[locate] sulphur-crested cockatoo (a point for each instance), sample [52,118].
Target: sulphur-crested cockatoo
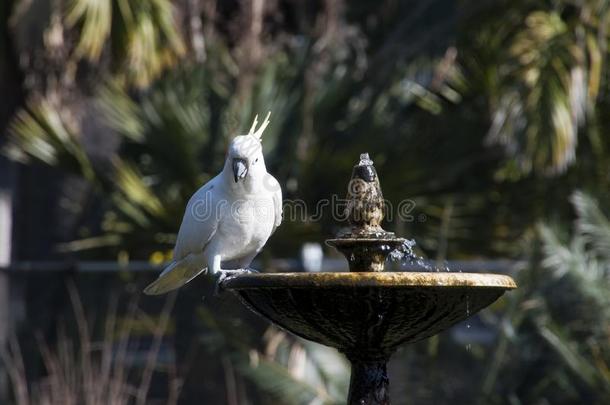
[228,220]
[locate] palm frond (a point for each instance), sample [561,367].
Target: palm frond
[578,265]
[143,35]
[95,19]
[277,380]
[592,224]
[166,130]
[151,38]
[134,195]
[121,112]
[543,100]
[40,133]
[559,257]
[569,352]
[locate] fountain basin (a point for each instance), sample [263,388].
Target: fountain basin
[367,315]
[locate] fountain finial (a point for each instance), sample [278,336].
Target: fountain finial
[365,160]
[365,205]
[364,242]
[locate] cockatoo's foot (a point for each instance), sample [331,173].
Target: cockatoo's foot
[222,275]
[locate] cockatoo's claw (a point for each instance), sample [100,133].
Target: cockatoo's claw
[222,275]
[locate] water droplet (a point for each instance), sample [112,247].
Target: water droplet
[396,255]
[468,346]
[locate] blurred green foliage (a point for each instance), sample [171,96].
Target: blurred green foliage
[488,115]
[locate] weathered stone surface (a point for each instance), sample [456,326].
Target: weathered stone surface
[368,314]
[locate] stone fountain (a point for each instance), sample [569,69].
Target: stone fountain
[367,313]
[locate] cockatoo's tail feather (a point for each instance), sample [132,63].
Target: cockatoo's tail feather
[177,274]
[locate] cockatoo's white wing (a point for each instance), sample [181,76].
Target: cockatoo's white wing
[199,225]
[200,221]
[277,201]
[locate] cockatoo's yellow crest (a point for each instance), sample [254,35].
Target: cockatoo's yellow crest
[258,133]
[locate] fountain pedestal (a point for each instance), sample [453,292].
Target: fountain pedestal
[369,383]
[368,312]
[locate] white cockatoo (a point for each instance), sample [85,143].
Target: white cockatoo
[228,220]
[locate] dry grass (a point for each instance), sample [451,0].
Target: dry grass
[90,372]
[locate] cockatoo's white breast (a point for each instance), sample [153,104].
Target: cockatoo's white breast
[222,221]
[245,226]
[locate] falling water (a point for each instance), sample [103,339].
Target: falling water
[405,251]
[407,257]
[468,346]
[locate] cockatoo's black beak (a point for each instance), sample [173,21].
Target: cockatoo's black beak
[240,169]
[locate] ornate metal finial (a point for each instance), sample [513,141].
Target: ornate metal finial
[365,160]
[364,242]
[365,205]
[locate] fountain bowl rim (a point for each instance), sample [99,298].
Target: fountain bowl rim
[388,279]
